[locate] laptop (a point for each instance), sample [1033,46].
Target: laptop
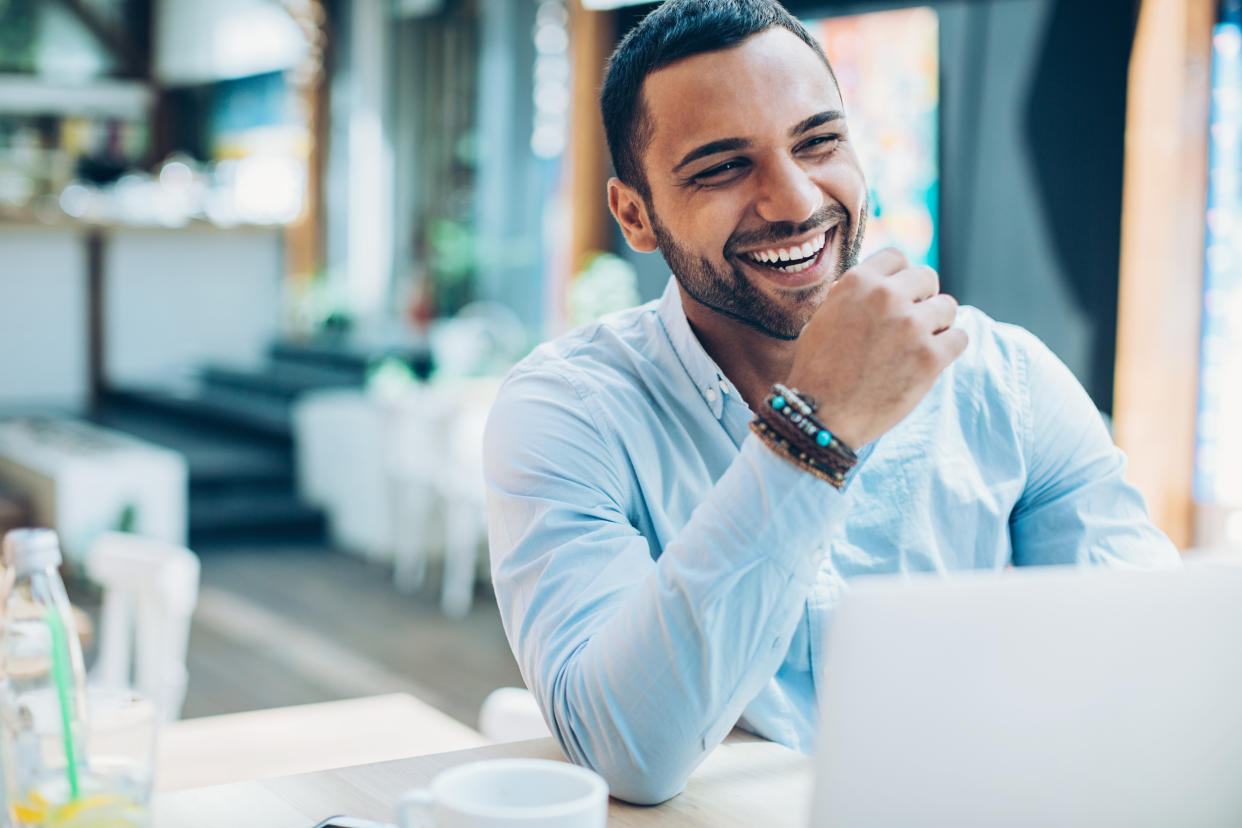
[1042,697]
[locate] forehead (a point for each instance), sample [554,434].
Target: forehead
[765,84]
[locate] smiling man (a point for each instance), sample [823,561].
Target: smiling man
[679,493]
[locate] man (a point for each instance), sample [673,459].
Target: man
[663,573]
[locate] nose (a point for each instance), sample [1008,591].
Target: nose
[787,194]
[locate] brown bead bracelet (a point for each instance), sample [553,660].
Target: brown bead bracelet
[788,425]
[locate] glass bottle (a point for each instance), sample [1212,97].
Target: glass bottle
[43,693]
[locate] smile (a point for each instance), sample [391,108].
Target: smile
[792,259]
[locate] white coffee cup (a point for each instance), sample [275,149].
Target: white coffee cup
[507,793]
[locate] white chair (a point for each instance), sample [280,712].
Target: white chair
[340,461]
[412,427]
[465,508]
[511,714]
[149,591]
[434,436]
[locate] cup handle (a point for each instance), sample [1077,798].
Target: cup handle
[414,809]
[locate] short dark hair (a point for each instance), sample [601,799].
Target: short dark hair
[676,29]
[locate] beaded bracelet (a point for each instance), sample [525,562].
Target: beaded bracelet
[792,430]
[800,459]
[796,437]
[800,409]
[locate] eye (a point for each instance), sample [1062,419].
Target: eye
[721,173]
[821,143]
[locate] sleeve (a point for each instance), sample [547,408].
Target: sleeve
[641,664]
[1076,507]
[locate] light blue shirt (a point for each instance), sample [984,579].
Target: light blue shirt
[662,575]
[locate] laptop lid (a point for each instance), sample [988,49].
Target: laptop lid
[1050,696]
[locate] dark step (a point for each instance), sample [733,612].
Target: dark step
[348,357]
[253,413]
[134,413]
[281,535]
[284,383]
[212,455]
[253,514]
[241,485]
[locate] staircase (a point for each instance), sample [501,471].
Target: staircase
[234,429]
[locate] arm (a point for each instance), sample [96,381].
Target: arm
[642,659]
[641,666]
[1076,507]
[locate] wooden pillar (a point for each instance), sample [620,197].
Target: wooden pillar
[1162,234]
[304,236]
[592,36]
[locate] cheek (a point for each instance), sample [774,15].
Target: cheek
[710,227]
[854,183]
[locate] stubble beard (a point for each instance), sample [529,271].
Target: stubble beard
[729,291]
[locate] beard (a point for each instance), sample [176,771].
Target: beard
[728,290]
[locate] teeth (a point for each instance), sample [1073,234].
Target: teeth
[784,254]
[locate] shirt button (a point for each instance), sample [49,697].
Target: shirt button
[711,395]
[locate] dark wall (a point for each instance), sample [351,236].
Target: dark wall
[1032,137]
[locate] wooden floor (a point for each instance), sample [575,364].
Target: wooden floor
[289,625]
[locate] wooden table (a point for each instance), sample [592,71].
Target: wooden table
[744,782]
[259,744]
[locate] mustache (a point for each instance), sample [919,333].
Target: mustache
[776,233]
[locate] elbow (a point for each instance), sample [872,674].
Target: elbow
[642,787]
[635,775]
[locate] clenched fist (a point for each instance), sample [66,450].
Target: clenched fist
[876,345]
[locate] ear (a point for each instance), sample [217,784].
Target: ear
[629,208]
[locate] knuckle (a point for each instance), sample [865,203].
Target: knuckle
[880,296]
[909,325]
[899,259]
[850,279]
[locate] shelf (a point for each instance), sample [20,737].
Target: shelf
[31,95]
[25,218]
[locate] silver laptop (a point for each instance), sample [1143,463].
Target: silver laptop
[1042,697]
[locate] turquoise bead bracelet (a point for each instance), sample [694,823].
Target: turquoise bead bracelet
[793,430]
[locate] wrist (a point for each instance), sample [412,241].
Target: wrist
[833,414]
[787,423]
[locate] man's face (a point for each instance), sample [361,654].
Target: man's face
[757,201]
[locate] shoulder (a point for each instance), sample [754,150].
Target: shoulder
[570,388]
[999,354]
[996,344]
[989,384]
[606,357]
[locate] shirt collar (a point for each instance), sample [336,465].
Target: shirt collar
[712,384]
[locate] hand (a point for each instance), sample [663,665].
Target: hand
[876,345]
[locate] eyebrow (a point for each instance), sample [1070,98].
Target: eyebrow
[818,119]
[711,148]
[731,144]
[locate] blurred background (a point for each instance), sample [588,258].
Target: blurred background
[264,262]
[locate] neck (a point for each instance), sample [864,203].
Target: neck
[750,359]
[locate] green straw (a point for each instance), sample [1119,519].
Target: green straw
[60,675]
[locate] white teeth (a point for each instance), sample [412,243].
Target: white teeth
[784,254]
